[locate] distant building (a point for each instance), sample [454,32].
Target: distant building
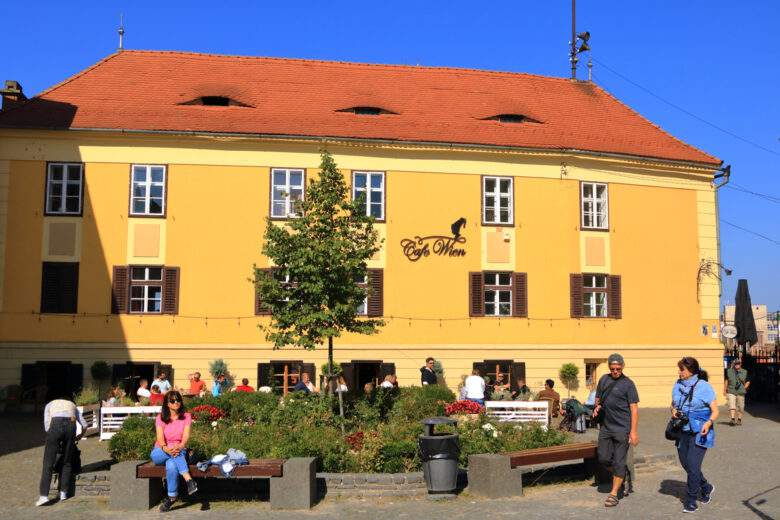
[766,325]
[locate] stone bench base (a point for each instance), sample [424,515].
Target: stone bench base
[492,476]
[295,489]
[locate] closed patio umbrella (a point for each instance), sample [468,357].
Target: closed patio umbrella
[743,317]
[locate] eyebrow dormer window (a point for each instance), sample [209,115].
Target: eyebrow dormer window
[512,119]
[366,111]
[215,101]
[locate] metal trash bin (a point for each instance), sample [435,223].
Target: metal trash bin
[439,453]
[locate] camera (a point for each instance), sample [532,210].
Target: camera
[679,421]
[737,385]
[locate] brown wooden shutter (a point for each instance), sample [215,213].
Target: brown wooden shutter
[520,295]
[476,294]
[260,309]
[59,287]
[349,373]
[170,296]
[119,288]
[614,299]
[575,291]
[376,282]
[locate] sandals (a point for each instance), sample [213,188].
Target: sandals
[611,501]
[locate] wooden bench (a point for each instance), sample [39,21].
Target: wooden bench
[499,475]
[137,485]
[519,411]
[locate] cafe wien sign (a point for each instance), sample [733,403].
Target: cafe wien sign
[437,245]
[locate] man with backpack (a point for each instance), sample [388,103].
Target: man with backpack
[617,411]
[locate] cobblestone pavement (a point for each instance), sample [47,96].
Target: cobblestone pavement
[742,466]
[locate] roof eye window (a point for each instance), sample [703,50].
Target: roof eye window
[366,111]
[512,118]
[215,101]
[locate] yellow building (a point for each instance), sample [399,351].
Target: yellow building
[134,195]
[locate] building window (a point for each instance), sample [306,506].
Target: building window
[594,295]
[368,190]
[497,201]
[59,287]
[498,294]
[146,287]
[591,373]
[147,190]
[595,208]
[286,192]
[281,375]
[64,188]
[362,309]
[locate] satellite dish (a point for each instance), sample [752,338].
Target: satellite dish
[729,331]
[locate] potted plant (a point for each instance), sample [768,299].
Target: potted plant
[568,374]
[88,404]
[101,372]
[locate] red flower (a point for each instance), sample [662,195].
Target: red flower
[462,407]
[207,412]
[355,440]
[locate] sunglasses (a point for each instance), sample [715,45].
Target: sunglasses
[174,400]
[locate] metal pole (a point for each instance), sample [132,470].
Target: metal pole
[573,51]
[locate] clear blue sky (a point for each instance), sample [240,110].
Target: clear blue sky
[716,59]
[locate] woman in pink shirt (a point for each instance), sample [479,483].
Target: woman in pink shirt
[173,432]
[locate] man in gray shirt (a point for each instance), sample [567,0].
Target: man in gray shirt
[617,410]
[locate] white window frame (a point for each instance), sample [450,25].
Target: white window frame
[368,190]
[497,197]
[287,187]
[594,201]
[362,309]
[146,283]
[496,289]
[148,184]
[62,187]
[590,304]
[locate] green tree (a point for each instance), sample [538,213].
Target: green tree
[319,256]
[568,374]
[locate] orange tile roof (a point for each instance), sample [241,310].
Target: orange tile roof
[144,90]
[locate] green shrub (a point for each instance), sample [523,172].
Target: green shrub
[87,395]
[325,443]
[568,375]
[134,441]
[219,367]
[418,402]
[241,406]
[299,410]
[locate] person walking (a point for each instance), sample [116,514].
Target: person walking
[474,386]
[59,421]
[734,389]
[170,449]
[617,409]
[694,401]
[427,375]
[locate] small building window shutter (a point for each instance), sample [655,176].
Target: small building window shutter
[59,287]
[476,294]
[520,295]
[575,282]
[614,299]
[376,283]
[119,289]
[260,308]
[170,303]
[517,374]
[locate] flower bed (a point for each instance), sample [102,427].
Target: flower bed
[380,436]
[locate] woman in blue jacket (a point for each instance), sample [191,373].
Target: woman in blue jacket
[693,397]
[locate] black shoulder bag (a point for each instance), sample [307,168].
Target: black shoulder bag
[602,399]
[674,428]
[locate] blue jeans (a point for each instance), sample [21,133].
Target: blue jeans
[691,456]
[480,402]
[174,466]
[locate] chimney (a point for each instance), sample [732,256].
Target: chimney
[12,95]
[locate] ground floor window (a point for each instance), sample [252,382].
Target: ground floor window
[503,375]
[282,376]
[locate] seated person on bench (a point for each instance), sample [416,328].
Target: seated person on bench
[173,432]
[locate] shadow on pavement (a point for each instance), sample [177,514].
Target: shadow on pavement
[674,488]
[20,431]
[770,411]
[761,501]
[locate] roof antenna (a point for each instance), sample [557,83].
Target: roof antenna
[121,32]
[584,37]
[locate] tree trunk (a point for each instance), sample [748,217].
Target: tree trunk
[330,380]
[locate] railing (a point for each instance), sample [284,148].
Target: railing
[519,411]
[112,417]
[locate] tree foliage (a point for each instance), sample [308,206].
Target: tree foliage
[318,257]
